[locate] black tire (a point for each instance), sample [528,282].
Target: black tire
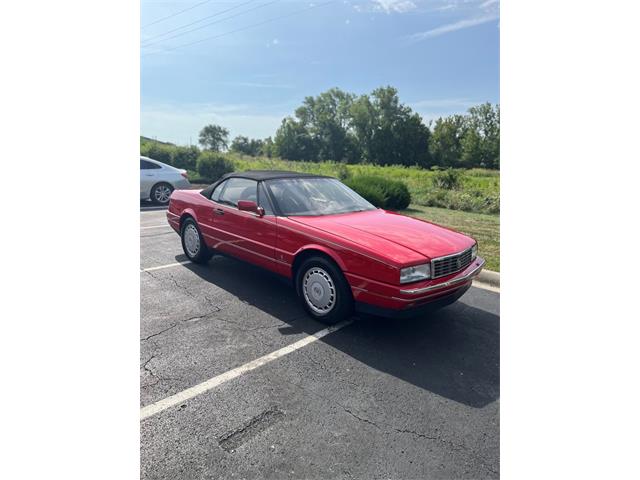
[319,267]
[200,255]
[159,194]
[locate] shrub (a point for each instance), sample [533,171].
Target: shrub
[448,179]
[382,192]
[157,151]
[211,166]
[185,157]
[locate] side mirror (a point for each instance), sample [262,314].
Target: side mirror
[250,206]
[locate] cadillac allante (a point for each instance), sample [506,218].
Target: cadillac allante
[341,253]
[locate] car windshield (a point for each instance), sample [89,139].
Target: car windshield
[316,196]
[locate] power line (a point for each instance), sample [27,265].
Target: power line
[210,23]
[200,20]
[273,19]
[175,14]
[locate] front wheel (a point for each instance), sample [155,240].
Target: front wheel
[323,290]
[160,193]
[193,244]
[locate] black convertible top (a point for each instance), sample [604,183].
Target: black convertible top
[269,174]
[260,175]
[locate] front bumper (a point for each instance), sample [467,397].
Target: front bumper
[415,311]
[402,300]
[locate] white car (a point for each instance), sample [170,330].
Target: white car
[158,180]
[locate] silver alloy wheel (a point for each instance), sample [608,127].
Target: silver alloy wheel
[191,240]
[319,290]
[162,193]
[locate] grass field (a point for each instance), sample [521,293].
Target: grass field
[479,192]
[484,228]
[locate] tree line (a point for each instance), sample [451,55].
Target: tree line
[373,128]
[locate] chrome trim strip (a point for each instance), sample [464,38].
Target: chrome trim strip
[171,213]
[453,281]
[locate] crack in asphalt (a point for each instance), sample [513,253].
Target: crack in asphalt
[159,378]
[150,372]
[358,417]
[214,308]
[159,333]
[391,429]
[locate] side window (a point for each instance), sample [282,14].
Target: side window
[145,165]
[263,200]
[215,195]
[239,189]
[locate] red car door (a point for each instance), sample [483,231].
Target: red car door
[245,235]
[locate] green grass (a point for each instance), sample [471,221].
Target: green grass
[484,228]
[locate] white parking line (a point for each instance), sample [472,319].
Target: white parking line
[151,269]
[155,226]
[203,387]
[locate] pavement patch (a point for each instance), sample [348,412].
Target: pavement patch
[231,440]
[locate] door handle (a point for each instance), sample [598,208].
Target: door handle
[218,211]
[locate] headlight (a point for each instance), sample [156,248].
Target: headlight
[413,274]
[474,251]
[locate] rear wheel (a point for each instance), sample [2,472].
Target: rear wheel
[323,290]
[160,193]
[193,244]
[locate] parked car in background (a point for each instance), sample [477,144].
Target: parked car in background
[340,252]
[158,180]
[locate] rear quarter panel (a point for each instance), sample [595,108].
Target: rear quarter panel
[187,202]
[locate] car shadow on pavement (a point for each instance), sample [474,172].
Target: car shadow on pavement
[454,352]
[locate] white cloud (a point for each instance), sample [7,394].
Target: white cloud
[452,27]
[395,6]
[488,3]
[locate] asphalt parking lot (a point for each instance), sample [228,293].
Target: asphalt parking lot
[374,399]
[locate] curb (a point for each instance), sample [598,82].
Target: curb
[489,277]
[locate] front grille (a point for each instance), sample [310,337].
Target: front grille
[450,264]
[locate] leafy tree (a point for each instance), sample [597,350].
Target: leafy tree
[484,120]
[252,147]
[468,141]
[339,126]
[214,137]
[327,119]
[268,148]
[446,141]
[293,141]
[398,134]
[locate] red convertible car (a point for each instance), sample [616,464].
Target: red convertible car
[340,251]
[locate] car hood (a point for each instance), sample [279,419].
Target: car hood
[427,239]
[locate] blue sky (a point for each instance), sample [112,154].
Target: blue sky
[442,55]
